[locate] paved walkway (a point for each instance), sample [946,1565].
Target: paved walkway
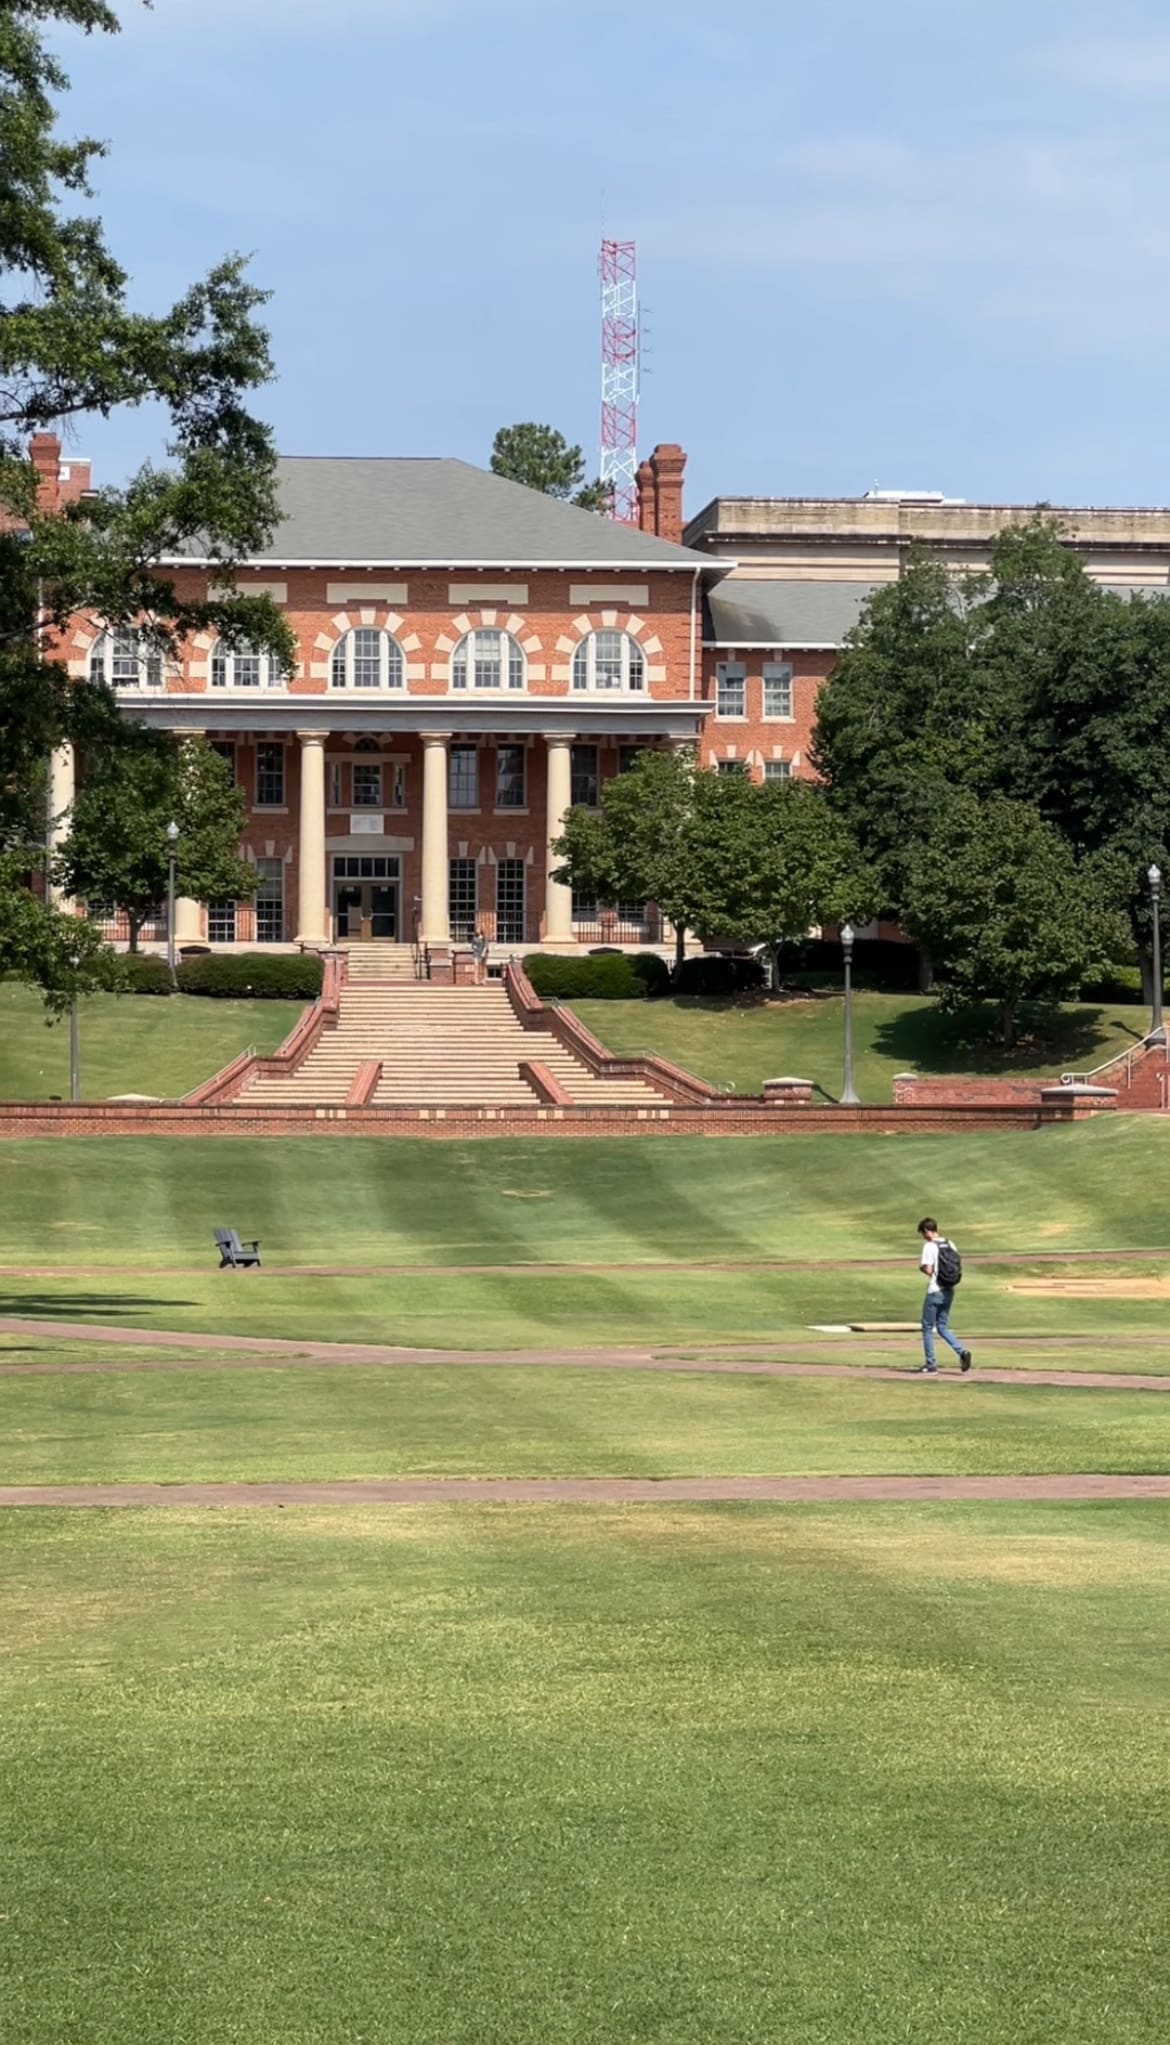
[783,1359]
[593,1491]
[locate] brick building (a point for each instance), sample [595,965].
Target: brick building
[472,659]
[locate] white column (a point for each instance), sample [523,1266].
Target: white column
[558,899]
[312,912]
[188,913]
[436,924]
[62,788]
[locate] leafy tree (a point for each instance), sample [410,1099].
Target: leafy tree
[1005,908]
[637,847]
[117,849]
[770,862]
[71,345]
[542,459]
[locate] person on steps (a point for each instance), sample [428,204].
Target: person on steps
[942,1268]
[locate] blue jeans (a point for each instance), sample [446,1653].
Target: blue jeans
[936,1308]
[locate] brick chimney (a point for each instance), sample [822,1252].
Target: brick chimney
[45,454]
[660,492]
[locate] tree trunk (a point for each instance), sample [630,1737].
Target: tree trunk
[680,946]
[775,956]
[1007,1023]
[925,973]
[134,925]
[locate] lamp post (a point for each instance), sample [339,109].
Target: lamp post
[1154,876]
[849,1097]
[172,841]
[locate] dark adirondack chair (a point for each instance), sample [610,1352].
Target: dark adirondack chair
[233,1254]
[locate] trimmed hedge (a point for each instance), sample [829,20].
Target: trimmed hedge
[1116,983]
[256,976]
[653,972]
[608,977]
[718,974]
[143,973]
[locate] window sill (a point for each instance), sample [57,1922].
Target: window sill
[456,809]
[271,809]
[778,717]
[508,811]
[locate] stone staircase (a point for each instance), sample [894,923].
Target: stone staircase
[380,961]
[442,1046]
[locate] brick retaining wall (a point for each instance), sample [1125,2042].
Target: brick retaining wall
[736,1118]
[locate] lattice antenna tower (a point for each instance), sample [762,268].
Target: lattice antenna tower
[620,377]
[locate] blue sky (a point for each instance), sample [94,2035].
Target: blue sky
[910,243]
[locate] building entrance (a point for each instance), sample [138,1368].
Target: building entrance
[365,895]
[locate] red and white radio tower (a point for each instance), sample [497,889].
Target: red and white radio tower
[620,377]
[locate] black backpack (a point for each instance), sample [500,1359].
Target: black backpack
[949,1270]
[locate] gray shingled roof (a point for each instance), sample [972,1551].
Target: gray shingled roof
[744,612]
[396,512]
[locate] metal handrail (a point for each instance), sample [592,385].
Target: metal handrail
[1125,1058]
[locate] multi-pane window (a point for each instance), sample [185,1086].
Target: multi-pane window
[778,691]
[125,660]
[487,660]
[463,777]
[609,660]
[221,923]
[509,777]
[226,748]
[367,784]
[730,691]
[244,668]
[461,902]
[777,770]
[584,907]
[627,756]
[583,777]
[269,901]
[510,901]
[396,789]
[367,659]
[739,767]
[269,775]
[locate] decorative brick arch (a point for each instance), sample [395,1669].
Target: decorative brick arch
[610,621]
[84,637]
[489,619]
[381,619]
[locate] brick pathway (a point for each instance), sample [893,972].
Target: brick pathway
[594,1491]
[783,1359]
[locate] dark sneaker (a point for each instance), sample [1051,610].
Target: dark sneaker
[927,1370]
[965,1359]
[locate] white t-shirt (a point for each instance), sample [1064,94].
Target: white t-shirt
[928,1262]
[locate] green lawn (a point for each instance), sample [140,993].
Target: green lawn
[645,1215]
[130,1043]
[739,1046]
[493,1776]
[247,1424]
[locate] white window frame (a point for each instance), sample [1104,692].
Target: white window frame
[462,808]
[513,808]
[344,657]
[274,871]
[277,745]
[630,662]
[126,647]
[373,767]
[777,770]
[778,673]
[731,671]
[741,768]
[586,746]
[226,659]
[512,665]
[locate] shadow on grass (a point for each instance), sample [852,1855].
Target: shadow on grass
[1050,1040]
[68,1306]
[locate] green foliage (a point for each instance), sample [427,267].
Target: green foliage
[117,850]
[71,346]
[144,973]
[1005,909]
[542,459]
[607,976]
[652,971]
[718,974]
[262,976]
[59,954]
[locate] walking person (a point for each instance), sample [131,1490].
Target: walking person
[942,1267]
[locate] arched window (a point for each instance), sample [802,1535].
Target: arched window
[609,660]
[124,660]
[487,660]
[367,659]
[243,668]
